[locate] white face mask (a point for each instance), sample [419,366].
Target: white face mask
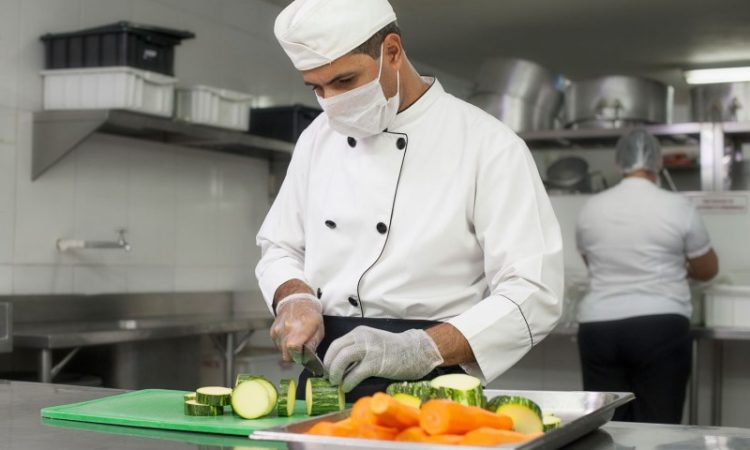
[364,111]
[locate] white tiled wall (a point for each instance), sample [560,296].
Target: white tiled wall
[191,215]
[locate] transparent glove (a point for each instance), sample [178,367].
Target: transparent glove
[299,322]
[368,352]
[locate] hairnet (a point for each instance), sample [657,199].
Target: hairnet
[638,150]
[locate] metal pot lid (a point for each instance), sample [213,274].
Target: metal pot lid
[567,172]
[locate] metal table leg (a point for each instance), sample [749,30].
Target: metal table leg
[694,384]
[45,365]
[229,360]
[718,372]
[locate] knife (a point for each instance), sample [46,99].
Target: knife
[310,360]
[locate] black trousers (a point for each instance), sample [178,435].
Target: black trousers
[335,327]
[649,356]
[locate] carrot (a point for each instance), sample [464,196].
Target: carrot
[342,428]
[369,431]
[444,439]
[361,413]
[446,417]
[392,413]
[412,434]
[493,436]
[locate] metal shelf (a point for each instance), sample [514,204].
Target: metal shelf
[678,133]
[57,133]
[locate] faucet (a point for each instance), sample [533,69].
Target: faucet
[75,244]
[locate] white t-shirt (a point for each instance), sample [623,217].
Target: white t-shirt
[636,237]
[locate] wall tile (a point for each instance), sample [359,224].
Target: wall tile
[152,204]
[96,13]
[236,279]
[154,13]
[45,208]
[150,279]
[9,55]
[48,279]
[6,280]
[196,279]
[91,280]
[101,193]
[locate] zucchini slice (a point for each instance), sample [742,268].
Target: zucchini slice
[252,399]
[213,395]
[551,422]
[243,377]
[421,389]
[287,396]
[193,408]
[460,388]
[526,415]
[189,396]
[408,400]
[322,398]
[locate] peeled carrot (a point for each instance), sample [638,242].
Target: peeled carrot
[392,413]
[444,439]
[493,436]
[412,434]
[446,417]
[369,431]
[361,413]
[343,428]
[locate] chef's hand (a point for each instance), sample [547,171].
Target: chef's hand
[299,322]
[368,352]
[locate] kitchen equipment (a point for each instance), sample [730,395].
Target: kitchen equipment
[522,94]
[727,306]
[212,106]
[109,88]
[282,122]
[723,102]
[118,44]
[570,174]
[617,101]
[163,409]
[310,360]
[581,413]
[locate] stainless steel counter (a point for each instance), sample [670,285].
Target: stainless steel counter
[21,428]
[75,334]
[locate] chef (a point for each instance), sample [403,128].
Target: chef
[641,244]
[412,235]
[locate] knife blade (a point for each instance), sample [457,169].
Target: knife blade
[310,360]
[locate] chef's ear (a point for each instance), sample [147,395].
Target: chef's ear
[393,51]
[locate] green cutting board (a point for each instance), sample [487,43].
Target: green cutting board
[163,409]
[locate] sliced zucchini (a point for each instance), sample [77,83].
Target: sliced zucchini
[460,388]
[189,396]
[322,398]
[408,400]
[213,395]
[421,389]
[241,378]
[551,422]
[193,408]
[287,396]
[526,415]
[252,399]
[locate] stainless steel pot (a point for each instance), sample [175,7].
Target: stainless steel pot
[569,174]
[522,94]
[725,102]
[617,101]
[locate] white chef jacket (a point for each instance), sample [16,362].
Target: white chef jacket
[635,238]
[441,217]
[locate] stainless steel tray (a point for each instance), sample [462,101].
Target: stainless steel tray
[581,413]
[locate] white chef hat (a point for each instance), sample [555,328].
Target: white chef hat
[316,32]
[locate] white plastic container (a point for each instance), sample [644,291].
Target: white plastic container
[109,88]
[213,106]
[728,306]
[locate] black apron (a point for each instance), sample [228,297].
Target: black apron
[335,327]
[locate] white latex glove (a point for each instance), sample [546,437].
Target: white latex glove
[368,352]
[299,322]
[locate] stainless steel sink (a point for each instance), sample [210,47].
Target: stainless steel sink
[6,327]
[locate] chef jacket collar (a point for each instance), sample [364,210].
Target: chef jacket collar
[417,109]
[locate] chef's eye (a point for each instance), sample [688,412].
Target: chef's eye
[345,81]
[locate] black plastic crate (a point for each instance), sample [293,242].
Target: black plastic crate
[119,44]
[282,122]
